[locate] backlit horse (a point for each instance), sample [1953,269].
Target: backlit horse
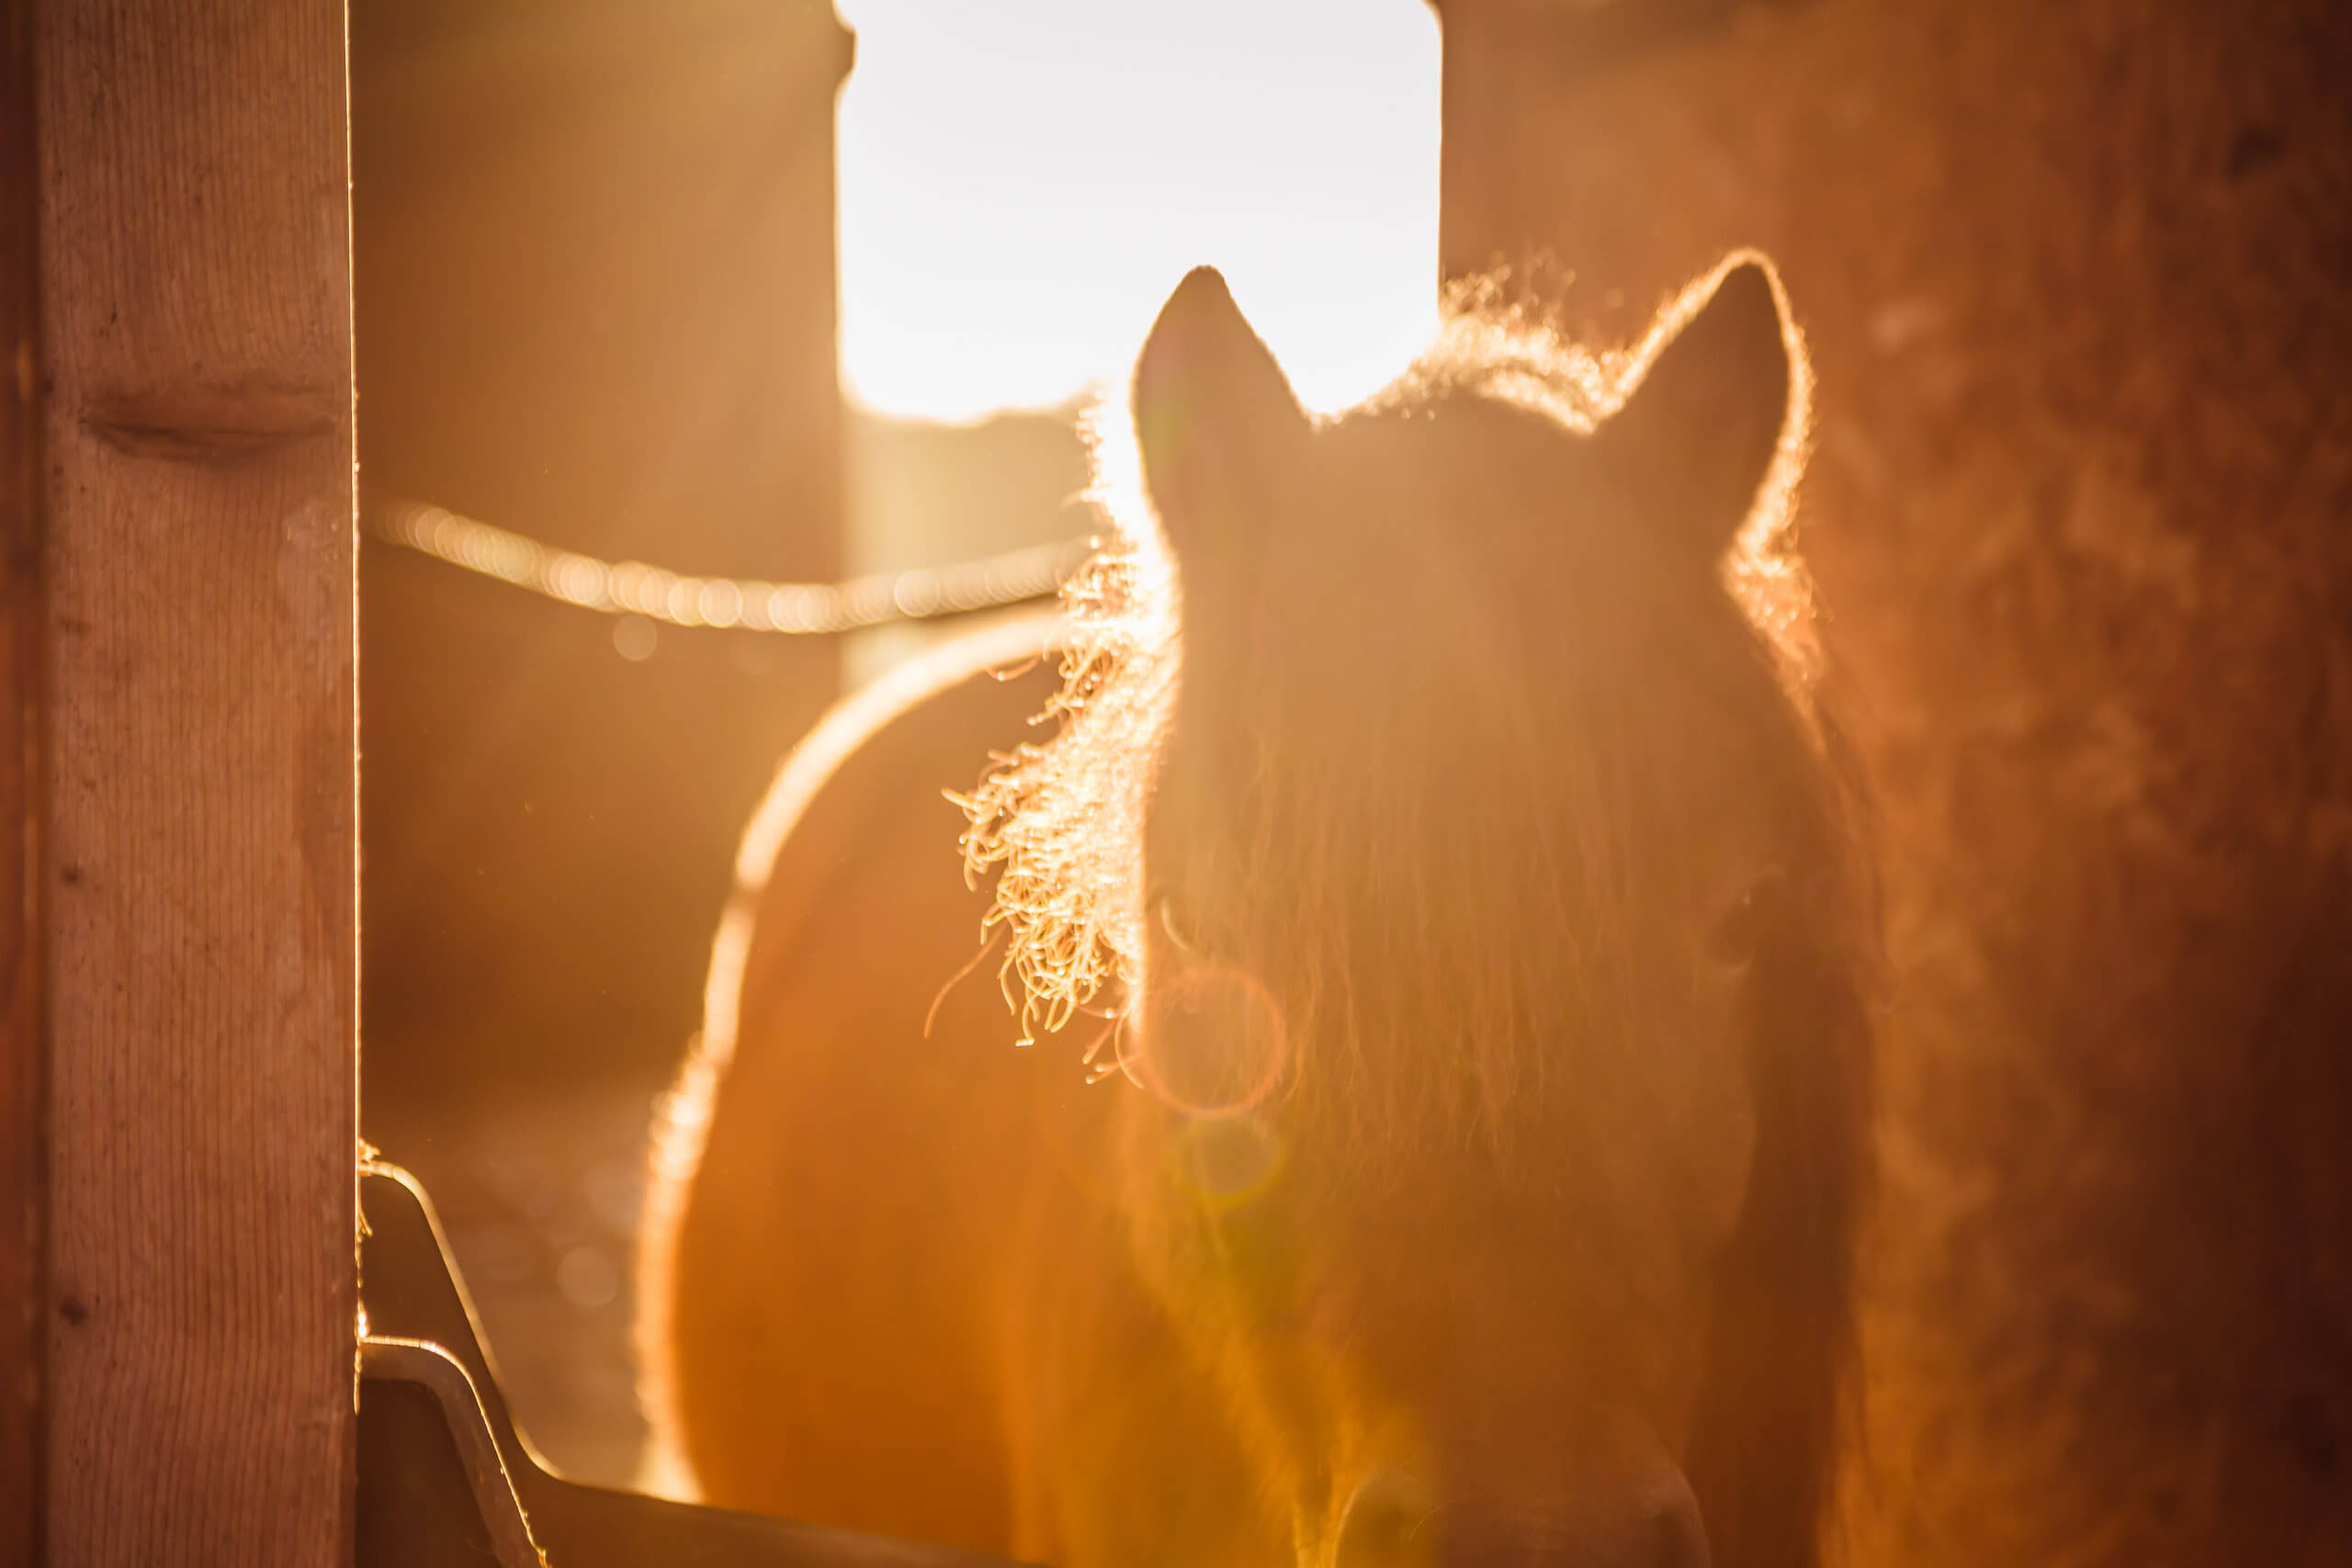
[1431,915]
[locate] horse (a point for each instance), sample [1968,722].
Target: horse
[1432,1124]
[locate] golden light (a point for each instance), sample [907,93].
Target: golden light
[1023,180]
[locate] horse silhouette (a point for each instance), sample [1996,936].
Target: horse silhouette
[1433,916]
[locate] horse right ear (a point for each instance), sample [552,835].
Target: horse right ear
[1215,420]
[1699,436]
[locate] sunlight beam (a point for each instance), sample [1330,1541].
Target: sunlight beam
[1023,180]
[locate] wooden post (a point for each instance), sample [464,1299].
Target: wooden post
[194,255]
[24,1214]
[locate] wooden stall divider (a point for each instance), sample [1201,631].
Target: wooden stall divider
[23,1213]
[196,804]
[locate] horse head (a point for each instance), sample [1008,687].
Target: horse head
[1491,939]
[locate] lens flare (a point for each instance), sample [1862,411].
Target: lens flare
[1212,1042]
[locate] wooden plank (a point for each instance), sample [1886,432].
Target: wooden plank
[23,1209]
[196,312]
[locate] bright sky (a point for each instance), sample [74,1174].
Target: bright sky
[1023,182]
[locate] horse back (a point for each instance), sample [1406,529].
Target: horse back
[851,1216]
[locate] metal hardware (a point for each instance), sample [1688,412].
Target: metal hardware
[432,1487]
[446,1478]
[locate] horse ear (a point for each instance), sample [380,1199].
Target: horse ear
[1698,436]
[1215,418]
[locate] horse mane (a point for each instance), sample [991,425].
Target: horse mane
[1062,821]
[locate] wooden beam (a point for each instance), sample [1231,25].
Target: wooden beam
[23,1210]
[199,863]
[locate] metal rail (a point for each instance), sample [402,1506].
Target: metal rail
[737,603]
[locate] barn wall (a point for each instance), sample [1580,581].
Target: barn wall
[595,268]
[2078,284]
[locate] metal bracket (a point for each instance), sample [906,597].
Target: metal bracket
[432,1487]
[447,1481]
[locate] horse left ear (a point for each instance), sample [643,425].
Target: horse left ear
[1698,436]
[1215,419]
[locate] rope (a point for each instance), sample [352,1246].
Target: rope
[801,609]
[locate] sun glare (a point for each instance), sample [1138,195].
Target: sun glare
[1023,180]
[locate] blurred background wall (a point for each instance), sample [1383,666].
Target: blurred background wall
[596,306]
[2075,280]
[2078,284]
[595,280]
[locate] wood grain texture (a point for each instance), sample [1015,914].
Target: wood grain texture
[195,258]
[23,1210]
